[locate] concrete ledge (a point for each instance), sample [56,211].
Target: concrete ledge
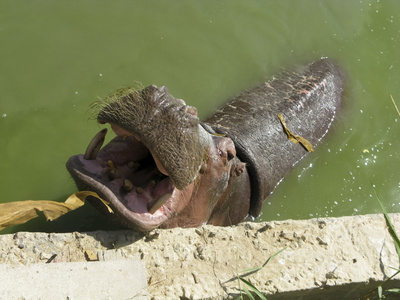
[327,258]
[74,280]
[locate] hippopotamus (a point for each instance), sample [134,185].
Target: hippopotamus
[165,168]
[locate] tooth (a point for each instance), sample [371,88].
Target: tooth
[95,144]
[112,170]
[114,174]
[133,165]
[152,184]
[110,165]
[158,203]
[139,190]
[128,186]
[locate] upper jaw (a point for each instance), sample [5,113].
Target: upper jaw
[166,125]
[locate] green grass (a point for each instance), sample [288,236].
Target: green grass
[249,289]
[396,240]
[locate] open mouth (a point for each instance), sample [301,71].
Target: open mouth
[125,173]
[148,171]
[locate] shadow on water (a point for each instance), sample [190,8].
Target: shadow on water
[83,219]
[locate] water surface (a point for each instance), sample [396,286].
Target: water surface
[58,58]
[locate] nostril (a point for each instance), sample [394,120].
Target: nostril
[191,110]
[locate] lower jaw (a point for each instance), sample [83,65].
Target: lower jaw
[121,214]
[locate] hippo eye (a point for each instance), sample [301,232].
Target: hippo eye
[230,155]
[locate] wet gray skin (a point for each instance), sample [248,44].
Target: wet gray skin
[166,169]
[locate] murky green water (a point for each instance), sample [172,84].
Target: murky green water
[58,58]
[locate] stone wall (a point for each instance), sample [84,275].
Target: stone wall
[326,258]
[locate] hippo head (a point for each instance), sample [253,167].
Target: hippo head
[163,169]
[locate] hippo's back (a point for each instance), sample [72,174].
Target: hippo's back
[307,99]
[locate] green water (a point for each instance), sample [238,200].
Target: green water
[58,58]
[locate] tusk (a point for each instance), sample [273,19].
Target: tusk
[95,145]
[158,203]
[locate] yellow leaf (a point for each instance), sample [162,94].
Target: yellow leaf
[78,197]
[295,138]
[19,212]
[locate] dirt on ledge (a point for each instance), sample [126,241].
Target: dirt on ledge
[326,258]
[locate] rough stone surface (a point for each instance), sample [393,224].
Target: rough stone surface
[59,281]
[327,258]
